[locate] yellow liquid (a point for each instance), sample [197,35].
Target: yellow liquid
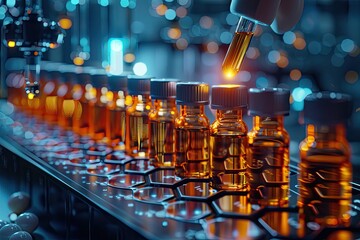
[97,122]
[81,117]
[66,112]
[137,144]
[236,53]
[228,162]
[325,189]
[268,171]
[162,143]
[192,152]
[51,109]
[115,129]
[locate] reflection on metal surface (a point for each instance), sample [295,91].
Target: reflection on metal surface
[153,194]
[187,210]
[227,228]
[125,180]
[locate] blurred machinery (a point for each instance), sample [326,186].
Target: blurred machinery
[33,35]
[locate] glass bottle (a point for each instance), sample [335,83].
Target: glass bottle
[192,129]
[162,122]
[97,105]
[82,93]
[66,104]
[137,117]
[325,167]
[228,138]
[50,96]
[116,111]
[268,151]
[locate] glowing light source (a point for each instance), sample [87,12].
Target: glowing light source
[206,22]
[10,3]
[299,43]
[295,74]
[170,14]
[11,44]
[129,57]
[212,47]
[103,3]
[262,82]
[140,68]
[298,95]
[283,61]
[347,45]
[274,56]
[174,33]
[181,12]
[161,9]
[65,23]
[31,96]
[78,61]
[253,53]
[229,74]
[289,37]
[116,56]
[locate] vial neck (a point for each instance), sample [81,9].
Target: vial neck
[323,132]
[234,115]
[192,110]
[276,122]
[164,103]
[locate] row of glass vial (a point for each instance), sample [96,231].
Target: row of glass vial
[225,151]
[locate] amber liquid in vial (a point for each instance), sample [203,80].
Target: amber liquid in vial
[192,152]
[326,189]
[138,142]
[268,172]
[116,130]
[98,122]
[162,143]
[66,112]
[236,53]
[81,117]
[51,109]
[228,169]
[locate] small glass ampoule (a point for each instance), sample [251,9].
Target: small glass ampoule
[116,111]
[238,47]
[192,131]
[325,167]
[228,138]
[137,117]
[162,122]
[97,106]
[268,151]
[82,93]
[66,103]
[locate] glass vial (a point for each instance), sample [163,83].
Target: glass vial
[50,97]
[325,167]
[116,111]
[82,93]
[97,105]
[162,122]
[228,138]
[137,117]
[192,129]
[268,151]
[66,104]
[238,47]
